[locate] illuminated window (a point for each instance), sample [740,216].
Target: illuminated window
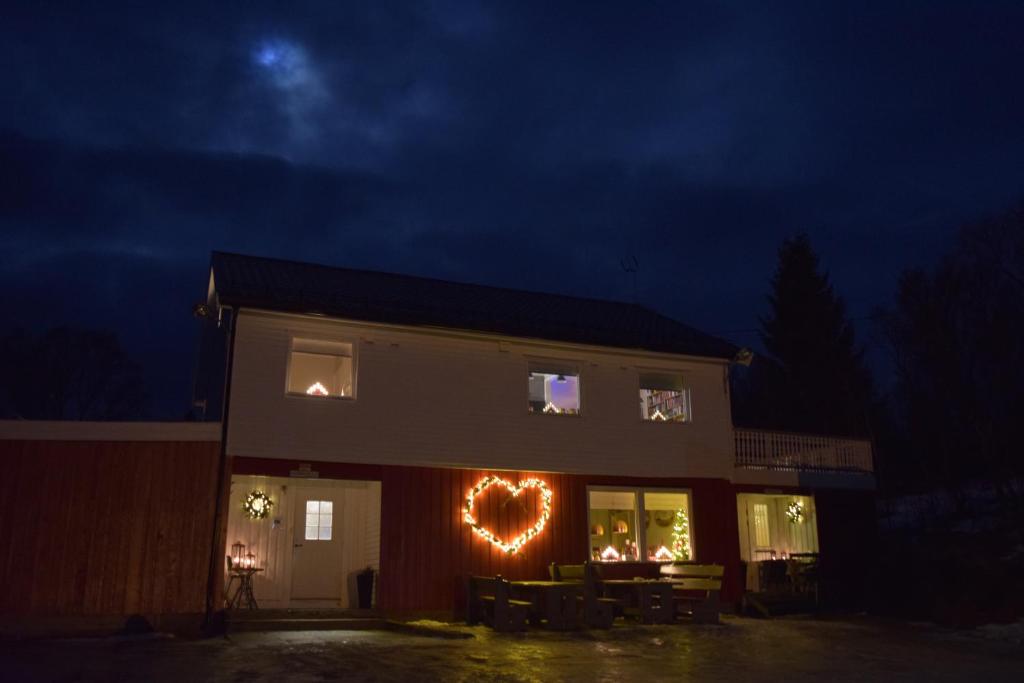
[320,368]
[319,520]
[633,525]
[613,526]
[554,390]
[768,531]
[663,397]
[667,526]
[762,537]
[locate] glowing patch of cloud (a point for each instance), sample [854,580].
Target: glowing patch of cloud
[288,68]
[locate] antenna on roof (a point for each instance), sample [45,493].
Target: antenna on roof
[630,265]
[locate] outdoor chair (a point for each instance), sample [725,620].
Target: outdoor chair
[696,590]
[488,601]
[598,612]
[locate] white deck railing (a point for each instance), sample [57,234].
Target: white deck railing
[758,449]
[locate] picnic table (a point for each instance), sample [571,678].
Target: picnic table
[652,597]
[556,602]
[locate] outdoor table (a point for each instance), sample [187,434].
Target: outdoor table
[554,601]
[243,594]
[652,596]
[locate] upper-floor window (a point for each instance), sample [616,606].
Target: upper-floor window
[554,390]
[321,368]
[663,398]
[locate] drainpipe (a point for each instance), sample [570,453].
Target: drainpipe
[215,572]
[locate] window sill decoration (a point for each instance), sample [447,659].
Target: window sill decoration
[317,389]
[513,546]
[257,505]
[795,512]
[663,554]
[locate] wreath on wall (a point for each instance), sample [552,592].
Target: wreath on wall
[257,505]
[795,512]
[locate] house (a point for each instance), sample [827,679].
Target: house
[433,430]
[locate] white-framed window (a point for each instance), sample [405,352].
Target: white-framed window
[319,520]
[321,369]
[639,524]
[762,532]
[553,389]
[663,398]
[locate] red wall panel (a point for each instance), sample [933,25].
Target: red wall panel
[105,528]
[427,550]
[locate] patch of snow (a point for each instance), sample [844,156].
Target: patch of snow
[1010,633]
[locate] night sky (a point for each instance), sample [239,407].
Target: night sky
[530,145]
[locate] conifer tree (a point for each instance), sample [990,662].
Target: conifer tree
[816,381]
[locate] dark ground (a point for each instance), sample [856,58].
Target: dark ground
[790,650]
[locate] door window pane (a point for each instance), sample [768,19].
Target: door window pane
[319,520]
[762,537]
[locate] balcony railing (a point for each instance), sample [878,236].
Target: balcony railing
[758,449]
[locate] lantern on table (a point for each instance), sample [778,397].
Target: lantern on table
[237,555]
[250,560]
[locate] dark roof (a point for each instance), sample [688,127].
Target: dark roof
[274,284]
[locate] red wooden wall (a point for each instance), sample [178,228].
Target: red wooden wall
[105,528]
[427,550]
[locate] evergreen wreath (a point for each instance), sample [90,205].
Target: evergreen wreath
[795,512]
[257,505]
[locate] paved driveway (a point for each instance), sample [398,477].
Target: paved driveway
[790,650]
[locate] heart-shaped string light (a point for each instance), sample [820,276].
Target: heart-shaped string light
[522,539]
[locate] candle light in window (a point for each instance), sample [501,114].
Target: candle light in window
[551,408]
[317,389]
[663,553]
[610,553]
[658,415]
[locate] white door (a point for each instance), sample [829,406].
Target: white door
[317,569]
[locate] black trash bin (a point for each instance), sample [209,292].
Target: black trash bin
[364,587]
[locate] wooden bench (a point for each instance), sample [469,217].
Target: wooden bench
[488,600]
[696,590]
[598,612]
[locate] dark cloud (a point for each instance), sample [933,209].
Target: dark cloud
[517,144]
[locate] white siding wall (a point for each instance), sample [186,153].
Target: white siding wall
[433,399]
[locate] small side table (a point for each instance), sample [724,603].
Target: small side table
[243,597]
